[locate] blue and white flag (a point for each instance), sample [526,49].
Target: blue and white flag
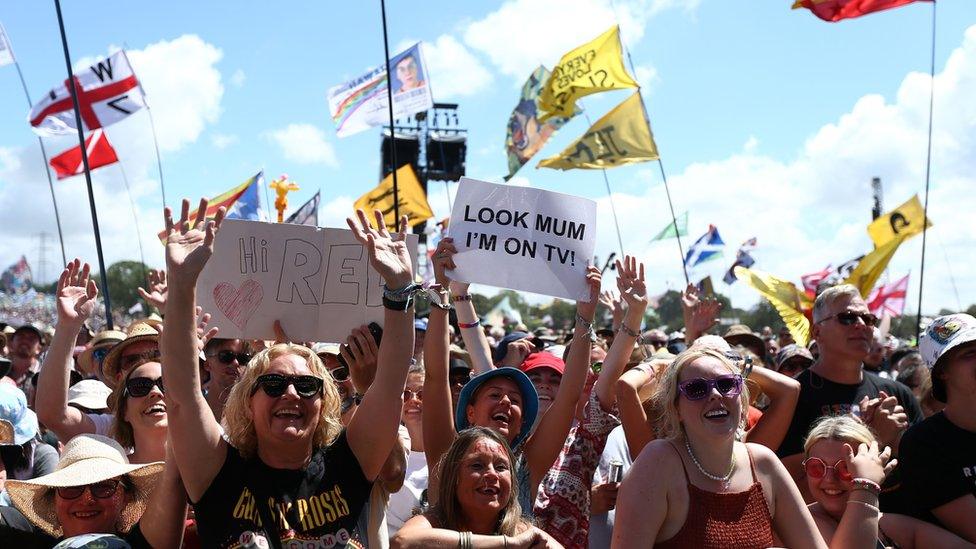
[308,214]
[248,204]
[706,248]
[742,259]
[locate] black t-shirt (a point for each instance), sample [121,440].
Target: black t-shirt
[315,507]
[937,460]
[821,397]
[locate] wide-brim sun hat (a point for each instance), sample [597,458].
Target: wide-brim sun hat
[137,332]
[740,334]
[13,408]
[530,400]
[87,459]
[102,340]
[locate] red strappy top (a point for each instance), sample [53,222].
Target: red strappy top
[715,520]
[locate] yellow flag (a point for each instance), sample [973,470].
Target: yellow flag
[788,300]
[593,67]
[869,269]
[413,201]
[622,136]
[905,220]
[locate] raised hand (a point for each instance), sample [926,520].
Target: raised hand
[387,253]
[443,260]
[699,314]
[587,309]
[156,295]
[630,282]
[76,293]
[869,463]
[189,245]
[361,355]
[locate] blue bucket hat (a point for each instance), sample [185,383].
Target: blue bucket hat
[530,400]
[499,352]
[13,408]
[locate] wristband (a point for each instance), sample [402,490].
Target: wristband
[868,505]
[623,328]
[586,323]
[462,297]
[866,485]
[474,324]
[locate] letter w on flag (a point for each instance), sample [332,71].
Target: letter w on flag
[107,92]
[100,153]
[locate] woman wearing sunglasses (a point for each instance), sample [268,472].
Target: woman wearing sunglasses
[140,412]
[698,486]
[832,485]
[288,472]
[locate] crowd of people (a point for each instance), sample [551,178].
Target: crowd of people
[441,432]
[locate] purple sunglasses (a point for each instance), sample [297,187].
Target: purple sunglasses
[699,388]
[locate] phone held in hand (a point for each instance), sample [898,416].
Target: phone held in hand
[375,330]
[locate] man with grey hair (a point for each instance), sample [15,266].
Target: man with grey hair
[838,384]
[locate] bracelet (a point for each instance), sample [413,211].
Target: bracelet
[464,540]
[505,539]
[866,485]
[399,299]
[868,505]
[474,324]
[632,333]
[586,323]
[439,298]
[462,297]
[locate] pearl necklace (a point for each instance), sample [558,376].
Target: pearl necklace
[724,479]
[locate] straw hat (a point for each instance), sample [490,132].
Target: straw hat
[6,433]
[137,332]
[87,459]
[89,393]
[103,339]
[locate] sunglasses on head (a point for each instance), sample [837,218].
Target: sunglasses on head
[817,468]
[227,356]
[699,388]
[275,385]
[141,386]
[849,318]
[100,490]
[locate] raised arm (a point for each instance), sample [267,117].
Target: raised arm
[472,333]
[630,283]
[194,432]
[543,447]
[372,431]
[783,393]
[438,417]
[162,522]
[637,428]
[699,314]
[76,301]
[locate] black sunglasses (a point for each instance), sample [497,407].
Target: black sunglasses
[848,318]
[141,386]
[100,490]
[275,385]
[227,356]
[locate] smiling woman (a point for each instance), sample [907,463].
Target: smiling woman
[140,421]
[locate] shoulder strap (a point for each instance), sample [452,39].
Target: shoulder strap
[675,448]
[261,502]
[752,464]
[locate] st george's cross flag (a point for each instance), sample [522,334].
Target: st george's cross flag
[708,246]
[108,91]
[100,153]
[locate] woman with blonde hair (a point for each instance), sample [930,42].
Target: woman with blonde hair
[288,473]
[831,484]
[477,504]
[699,486]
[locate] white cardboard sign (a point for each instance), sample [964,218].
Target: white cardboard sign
[316,281]
[523,238]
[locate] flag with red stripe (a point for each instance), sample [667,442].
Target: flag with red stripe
[836,10]
[100,153]
[889,298]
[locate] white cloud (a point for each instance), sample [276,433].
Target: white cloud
[454,71]
[223,140]
[646,76]
[305,144]
[238,78]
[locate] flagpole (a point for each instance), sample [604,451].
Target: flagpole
[928,169]
[84,159]
[152,126]
[47,169]
[389,104]
[135,217]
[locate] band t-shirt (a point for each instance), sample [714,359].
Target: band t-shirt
[937,460]
[314,507]
[821,397]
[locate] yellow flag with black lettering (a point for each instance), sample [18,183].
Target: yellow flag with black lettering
[413,200]
[871,266]
[788,300]
[593,67]
[905,220]
[622,136]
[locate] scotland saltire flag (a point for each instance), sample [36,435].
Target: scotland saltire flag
[742,259]
[248,204]
[706,248]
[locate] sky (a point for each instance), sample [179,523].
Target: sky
[770,122]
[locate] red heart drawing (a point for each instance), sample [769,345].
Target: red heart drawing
[238,304]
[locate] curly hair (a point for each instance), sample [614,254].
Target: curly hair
[237,421]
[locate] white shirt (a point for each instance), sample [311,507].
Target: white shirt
[403,503]
[601,525]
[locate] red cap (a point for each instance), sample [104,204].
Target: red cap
[543,359]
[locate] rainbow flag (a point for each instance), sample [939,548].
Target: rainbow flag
[241,202]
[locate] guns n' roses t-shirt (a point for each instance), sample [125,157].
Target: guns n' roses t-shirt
[313,507]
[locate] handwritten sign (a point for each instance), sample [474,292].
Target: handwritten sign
[317,281]
[522,238]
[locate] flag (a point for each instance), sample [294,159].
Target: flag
[593,67]
[107,92]
[526,135]
[869,269]
[241,202]
[622,136]
[17,278]
[705,286]
[673,230]
[889,298]
[6,51]
[788,300]
[413,200]
[742,259]
[811,281]
[308,214]
[709,246]
[905,220]
[100,153]
[835,10]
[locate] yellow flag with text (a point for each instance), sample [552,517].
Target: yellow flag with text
[905,220]
[593,67]
[788,300]
[622,136]
[413,200]
[871,266]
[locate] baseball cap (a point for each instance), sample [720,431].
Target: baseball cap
[543,360]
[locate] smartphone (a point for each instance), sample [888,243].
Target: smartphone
[375,330]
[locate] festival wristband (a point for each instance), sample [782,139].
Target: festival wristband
[461,297]
[866,485]
[632,333]
[469,324]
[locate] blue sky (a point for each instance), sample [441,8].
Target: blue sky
[770,122]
